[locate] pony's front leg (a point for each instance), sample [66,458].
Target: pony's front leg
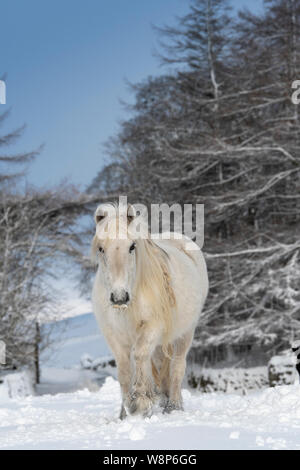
[123,366]
[121,354]
[141,397]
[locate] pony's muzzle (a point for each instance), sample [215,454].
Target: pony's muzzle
[119,300]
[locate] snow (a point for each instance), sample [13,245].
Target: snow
[69,302]
[268,419]
[60,380]
[296,345]
[72,412]
[72,338]
[282,370]
[283,361]
[16,384]
[228,380]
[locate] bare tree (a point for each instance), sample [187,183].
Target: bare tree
[39,231]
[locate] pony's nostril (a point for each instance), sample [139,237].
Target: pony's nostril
[119,300]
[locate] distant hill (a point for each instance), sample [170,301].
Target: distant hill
[72,338]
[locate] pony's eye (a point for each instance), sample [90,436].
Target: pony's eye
[101,249]
[132,248]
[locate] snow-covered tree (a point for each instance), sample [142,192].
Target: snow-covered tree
[220,128]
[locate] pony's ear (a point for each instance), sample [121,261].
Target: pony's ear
[131,213]
[100,214]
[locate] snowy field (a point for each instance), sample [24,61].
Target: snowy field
[72,338]
[86,417]
[88,420]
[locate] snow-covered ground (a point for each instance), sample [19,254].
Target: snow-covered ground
[72,338]
[86,417]
[269,419]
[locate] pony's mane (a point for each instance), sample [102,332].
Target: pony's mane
[153,281]
[152,263]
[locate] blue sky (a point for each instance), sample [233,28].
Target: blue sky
[66,63]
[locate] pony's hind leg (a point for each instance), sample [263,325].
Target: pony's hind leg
[162,365]
[177,370]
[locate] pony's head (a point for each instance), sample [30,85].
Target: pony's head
[114,249]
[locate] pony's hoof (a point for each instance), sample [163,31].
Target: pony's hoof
[140,405]
[123,413]
[172,406]
[163,400]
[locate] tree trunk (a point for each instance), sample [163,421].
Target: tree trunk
[37,353]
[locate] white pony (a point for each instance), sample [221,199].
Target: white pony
[147,297]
